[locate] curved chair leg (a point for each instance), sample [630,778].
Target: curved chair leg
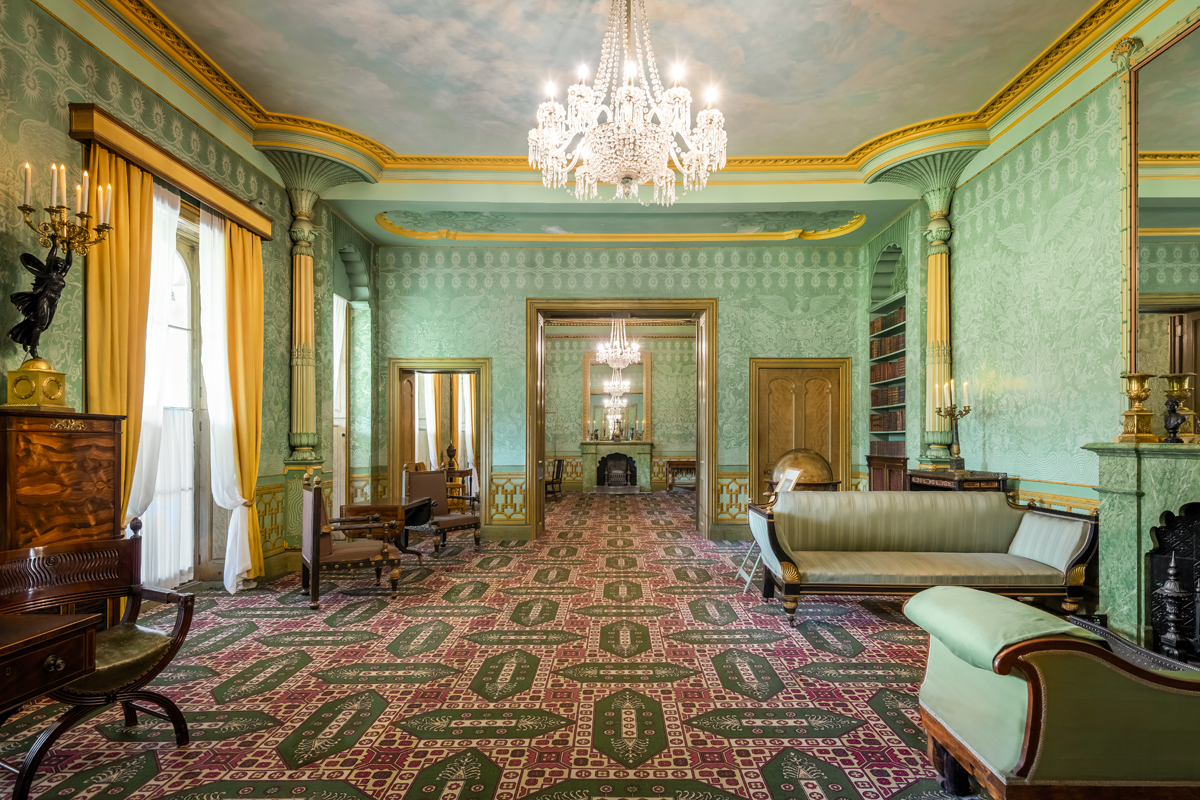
[169,708]
[33,759]
[131,719]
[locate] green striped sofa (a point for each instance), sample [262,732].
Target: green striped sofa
[903,542]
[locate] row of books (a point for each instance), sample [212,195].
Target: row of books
[888,344]
[895,448]
[888,421]
[887,320]
[887,370]
[887,396]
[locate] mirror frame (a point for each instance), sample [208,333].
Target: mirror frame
[589,359]
[1139,56]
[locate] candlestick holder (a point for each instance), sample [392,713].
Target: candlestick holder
[954,415]
[1136,421]
[70,236]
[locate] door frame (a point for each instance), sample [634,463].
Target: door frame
[703,310]
[483,459]
[842,365]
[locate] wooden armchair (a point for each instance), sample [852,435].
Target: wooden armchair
[554,482]
[320,551]
[432,484]
[128,656]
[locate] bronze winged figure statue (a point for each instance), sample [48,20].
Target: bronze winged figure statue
[39,304]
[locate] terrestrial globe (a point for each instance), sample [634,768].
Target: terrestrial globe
[816,475]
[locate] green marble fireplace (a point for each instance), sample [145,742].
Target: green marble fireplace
[594,451]
[1138,482]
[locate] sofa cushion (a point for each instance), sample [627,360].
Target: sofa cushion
[917,569]
[915,522]
[1052,540]
[976,625]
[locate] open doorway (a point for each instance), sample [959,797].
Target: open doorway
[548,428]
[439,417]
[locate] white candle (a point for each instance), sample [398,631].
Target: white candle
[86,204]
[53,185]
[78,199]
[28,184]
[62,183]
[108,205]
[945,395]
[99,205]
[966,401]
[952,392]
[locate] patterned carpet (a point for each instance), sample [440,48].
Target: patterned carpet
[616,657]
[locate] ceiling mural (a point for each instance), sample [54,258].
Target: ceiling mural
[464,77]
[1168,103]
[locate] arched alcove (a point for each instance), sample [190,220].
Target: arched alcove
[356,272]
[889,274]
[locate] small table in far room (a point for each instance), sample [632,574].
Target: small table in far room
[40,653]
[388,511]
[955,480]
[676,468]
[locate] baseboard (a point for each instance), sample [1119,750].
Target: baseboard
[730,533]
[508,532]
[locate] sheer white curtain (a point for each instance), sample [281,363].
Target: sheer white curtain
[158,544]
[340,369]
[214,363]
[466,427]
[168,550]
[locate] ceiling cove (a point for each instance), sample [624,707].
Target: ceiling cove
[878,61]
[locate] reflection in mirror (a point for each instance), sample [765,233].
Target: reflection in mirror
[1168,143]
[634,418]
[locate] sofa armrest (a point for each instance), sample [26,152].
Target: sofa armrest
[976,626]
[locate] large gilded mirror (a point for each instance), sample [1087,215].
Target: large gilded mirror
[630,422]
[1165,134]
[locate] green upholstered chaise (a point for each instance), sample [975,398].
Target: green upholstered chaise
[903,542]
[1032,706]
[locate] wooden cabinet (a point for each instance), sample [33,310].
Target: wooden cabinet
[41,652]
[61,478]
[956,480]
[886,473]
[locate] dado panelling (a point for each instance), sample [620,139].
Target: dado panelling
[44,67]
[470,302]
[1036,267]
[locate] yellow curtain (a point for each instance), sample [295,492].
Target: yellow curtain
[117,302]
[244,299]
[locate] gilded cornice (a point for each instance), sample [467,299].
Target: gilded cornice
[176,45]
[619,238]
[1168,158]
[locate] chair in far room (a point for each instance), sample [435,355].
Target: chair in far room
[127,656]
[554,483]
[432,484]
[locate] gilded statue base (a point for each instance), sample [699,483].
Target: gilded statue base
[35,386]
[1137,426]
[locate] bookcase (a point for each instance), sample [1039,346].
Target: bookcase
[886,460]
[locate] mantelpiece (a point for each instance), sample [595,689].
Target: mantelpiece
[1138,482]
[594,451]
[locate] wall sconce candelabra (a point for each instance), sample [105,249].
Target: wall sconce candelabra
[951,411]
[36,385]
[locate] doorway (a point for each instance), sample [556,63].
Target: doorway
[798,402]
[702,312]
[434,403]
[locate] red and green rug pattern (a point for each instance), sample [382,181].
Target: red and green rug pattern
[616,657]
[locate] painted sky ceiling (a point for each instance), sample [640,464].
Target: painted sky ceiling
[1169,99]
[463,77]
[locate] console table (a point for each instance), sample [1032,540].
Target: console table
[954,480]
[682,467]
[40,653]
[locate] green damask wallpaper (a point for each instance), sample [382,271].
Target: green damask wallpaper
[360,387]
[672,399]
[44,67]
[470,302]
[1036,270]
[1167,267]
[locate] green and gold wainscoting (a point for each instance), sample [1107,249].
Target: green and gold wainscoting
[732,506]
[508,516]
[858,478]
[1078,498]
[360,487]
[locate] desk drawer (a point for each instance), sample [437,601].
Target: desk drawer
[47,666]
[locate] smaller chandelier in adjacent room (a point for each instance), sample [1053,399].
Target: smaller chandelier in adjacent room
[615,403]
[618,352]
[616,386]
[638,134]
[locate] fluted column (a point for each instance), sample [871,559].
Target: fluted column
[303,436]
[934,176]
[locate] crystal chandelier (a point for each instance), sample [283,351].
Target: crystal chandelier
[634,137]
[618,352]
[616,403]
[615,387]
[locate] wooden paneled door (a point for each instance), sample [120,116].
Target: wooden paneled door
[798,402]
[406,423]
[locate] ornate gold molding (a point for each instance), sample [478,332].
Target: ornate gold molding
[617,238]
[162,33]
[1166,232]
[1168,158]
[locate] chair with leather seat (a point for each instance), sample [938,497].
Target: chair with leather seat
[432,484]
[128,656]
[319,550]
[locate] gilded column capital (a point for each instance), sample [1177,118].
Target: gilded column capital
[1122,53]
